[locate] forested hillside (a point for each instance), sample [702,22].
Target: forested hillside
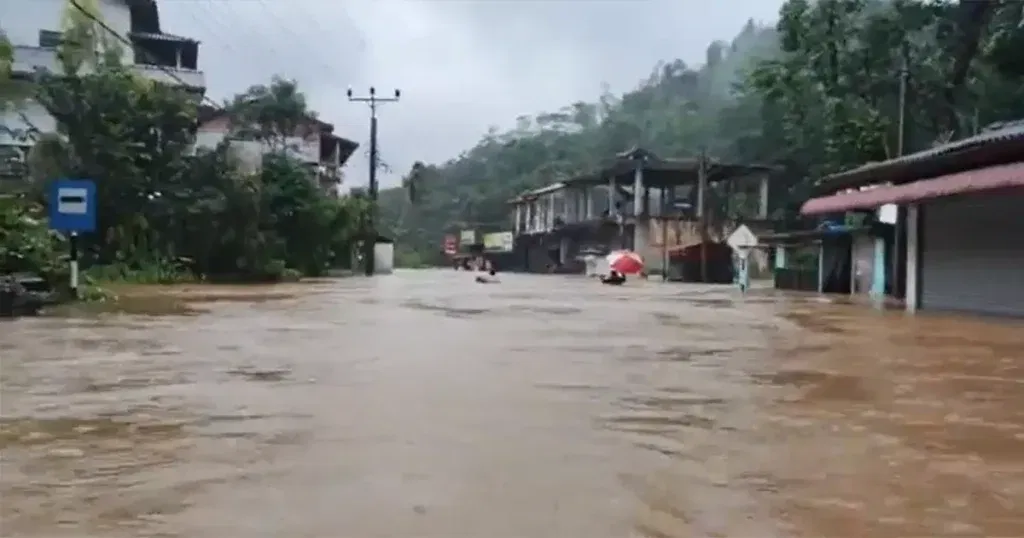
[816,93]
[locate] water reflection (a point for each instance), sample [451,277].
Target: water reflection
[424,405]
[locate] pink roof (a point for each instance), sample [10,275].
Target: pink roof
[1005,176]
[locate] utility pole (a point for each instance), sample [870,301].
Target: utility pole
[902,112]
[373,100]
[899,260]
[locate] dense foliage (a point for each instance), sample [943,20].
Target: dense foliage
[817,93]
[165,210]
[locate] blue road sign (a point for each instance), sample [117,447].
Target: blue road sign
[73,205]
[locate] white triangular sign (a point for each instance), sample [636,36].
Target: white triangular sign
[742,238]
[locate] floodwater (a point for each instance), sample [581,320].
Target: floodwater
[422,405]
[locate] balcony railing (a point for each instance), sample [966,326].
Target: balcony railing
[31,59]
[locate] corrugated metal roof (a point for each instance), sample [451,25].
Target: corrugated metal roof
[982,179]
[1001,132]
[546,189]
[163,37]
[531,194]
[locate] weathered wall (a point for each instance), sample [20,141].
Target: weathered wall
[682,233]
[22,20]
[250,152]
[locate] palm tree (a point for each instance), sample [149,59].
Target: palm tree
[413,181]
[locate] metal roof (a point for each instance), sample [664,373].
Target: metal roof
[981,179]
[163,37]
[547,188]
[994,135]
[531,194]
[667,171]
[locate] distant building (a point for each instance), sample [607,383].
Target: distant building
[314,144]
[33,28]
[639,202]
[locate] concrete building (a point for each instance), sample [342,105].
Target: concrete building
[661,208]
[314,144]
[958,243]
[34,29]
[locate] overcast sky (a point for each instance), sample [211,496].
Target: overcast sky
[462,65]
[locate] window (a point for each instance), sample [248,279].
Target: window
[48,39]
[12,162]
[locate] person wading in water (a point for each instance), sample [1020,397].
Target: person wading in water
[490,278]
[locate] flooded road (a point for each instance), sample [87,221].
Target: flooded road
[423,405]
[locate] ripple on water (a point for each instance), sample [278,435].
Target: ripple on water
[447,310]
[88,384]
[889,426]
[35,431]
[659,419]
[819,386]
[260,374]
[540,309]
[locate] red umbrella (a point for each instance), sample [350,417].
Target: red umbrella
[625,262]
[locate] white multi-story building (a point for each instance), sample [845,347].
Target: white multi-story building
[34,29]
[314,144]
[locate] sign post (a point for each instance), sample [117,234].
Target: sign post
[450,245]
[742,241]
[72,210]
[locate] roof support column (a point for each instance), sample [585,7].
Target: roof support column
[640,225]
[762,199]
[638,189]
[588,202]
[878,269]
[550,225]
[613,196]
[821,267]
[913,242]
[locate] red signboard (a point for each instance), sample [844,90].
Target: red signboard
[450,244]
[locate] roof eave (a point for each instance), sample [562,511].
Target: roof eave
[1000,145]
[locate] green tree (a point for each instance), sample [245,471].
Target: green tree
[12,91]
[26,243]
[165,210]
[817,93]
[673,113]
[831,96]
[6,62]
[272,114]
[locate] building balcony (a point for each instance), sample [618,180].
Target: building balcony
[27,60]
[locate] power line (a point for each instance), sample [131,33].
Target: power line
[128,42]
[298,36]
[170,72]
[311,55]
[223,8]
[201,21]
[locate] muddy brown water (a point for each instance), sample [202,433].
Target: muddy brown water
[424,405]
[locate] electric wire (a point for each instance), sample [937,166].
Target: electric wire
[298,36]
[124,40]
